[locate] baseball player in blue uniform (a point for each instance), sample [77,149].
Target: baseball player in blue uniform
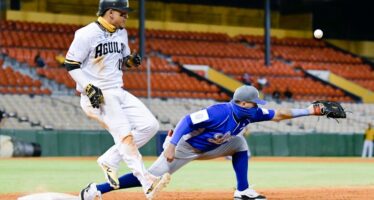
[214,132]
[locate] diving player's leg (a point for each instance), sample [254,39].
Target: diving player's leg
[235,144]
[237,147]
[160,167]
[184,154]
[125,181]
[240,165]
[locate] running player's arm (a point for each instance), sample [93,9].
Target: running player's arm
[78,51]
[76,73]
[129,59]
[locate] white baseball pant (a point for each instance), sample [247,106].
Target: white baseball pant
[123,114]
[185,153]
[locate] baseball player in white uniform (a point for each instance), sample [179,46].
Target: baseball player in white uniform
[95,61]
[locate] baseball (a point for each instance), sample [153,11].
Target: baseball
[318,33]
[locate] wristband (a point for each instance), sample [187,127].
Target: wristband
[300,112]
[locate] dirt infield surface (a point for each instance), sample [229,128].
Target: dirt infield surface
[363,193]
[339,193]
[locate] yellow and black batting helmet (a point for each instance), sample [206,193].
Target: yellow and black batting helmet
[121,5]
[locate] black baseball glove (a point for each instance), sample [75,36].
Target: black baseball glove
[95,95]
[329,109]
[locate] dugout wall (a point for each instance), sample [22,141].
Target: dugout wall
[94,143]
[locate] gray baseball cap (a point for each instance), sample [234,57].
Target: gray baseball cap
[248,94]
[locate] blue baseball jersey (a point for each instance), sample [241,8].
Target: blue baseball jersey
[209,128]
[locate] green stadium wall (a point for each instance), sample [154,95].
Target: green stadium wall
[94,143]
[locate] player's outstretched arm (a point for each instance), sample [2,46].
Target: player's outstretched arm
[329,109]
[286,113]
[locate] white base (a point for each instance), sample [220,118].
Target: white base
[49,196]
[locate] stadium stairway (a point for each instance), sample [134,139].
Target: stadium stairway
[214,76]
[366,95]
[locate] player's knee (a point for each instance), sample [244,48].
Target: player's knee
[237,140]
[153,126]
[128,139]
[149,127]
[239,144]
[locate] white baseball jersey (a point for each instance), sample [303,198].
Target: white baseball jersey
[101,55]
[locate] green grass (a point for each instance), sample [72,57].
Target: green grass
[30,175]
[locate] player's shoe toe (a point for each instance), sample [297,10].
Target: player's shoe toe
[157,186]
[90,192]
[248,194]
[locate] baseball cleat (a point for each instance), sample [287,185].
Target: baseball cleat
[248,194]
[110,175]
[90,192]
[157,186]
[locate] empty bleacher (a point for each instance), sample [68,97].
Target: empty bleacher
[64,112]
[40,112]
[174,93]
[29,39]
[13,82]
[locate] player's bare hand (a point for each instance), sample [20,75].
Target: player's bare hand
[95,95]
[314,110]
[169,152]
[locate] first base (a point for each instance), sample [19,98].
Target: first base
[49,196]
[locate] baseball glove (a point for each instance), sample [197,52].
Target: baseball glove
[329,109]
[133,60]
[95,95]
